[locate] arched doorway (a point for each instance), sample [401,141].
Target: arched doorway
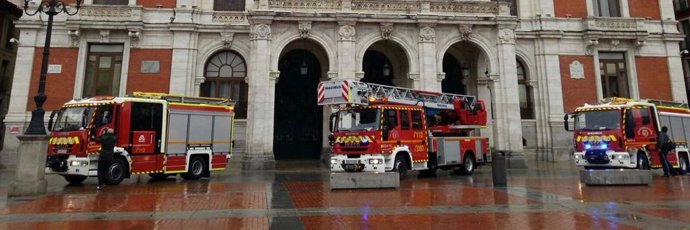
[298,119]
[463,64]
[385,63]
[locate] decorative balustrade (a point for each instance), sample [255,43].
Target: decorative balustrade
[615,24]
[408,6]
[383,6]
[229,17]
[305,4]
[100,12]
[467,7]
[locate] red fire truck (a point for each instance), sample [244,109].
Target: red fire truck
[378,128]
[157,134]
[621,133]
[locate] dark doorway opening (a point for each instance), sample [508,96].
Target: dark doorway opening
[298,119]
[377,68]
[452,83]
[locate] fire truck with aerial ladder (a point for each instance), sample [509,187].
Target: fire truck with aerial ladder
[379,128]
[157,134]
[622,133]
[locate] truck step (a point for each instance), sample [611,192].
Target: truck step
[616,177]
[364,180]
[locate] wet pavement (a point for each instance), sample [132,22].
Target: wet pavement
[297,196]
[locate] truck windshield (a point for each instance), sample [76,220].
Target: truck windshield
[597,120]
[77,118]
[358,120]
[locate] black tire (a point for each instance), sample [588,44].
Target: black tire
[400,166]
[683,163]
[642,162]
[431,171]
[117,170]
[468,165]
[158,176]
[75,179]
[197,168]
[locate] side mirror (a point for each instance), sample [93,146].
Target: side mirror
[331,122]
[331,139]
[50,121]
[566,124]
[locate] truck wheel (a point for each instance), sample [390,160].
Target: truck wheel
[400,166]
[431,171]
[467,167]
[158,176]
[74,179]
[642,162]
[197,167]
[116,171]
[683,163]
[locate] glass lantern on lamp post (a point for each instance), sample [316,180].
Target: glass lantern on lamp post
[50,8]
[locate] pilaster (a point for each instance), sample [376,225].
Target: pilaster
[261,82]
[427,58]
[509,133]
[346,50]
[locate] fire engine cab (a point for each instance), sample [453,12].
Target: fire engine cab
[379,128]
[157,134]
[622,133]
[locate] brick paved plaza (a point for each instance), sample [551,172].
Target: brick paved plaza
[297,196]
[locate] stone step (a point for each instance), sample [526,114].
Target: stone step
[615,176]
[356,180]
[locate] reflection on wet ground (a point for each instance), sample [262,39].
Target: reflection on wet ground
[297,196]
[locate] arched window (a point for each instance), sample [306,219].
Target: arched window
[225,73]
[525,90]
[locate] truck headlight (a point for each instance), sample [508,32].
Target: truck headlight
[334,161]
[375,161]
[78,163]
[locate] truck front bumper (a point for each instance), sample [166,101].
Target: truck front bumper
[82,166]
[364,163]
[605,159]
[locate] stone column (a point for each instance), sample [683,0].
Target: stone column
[675,71]
[507,109]
[427,58]
[182,76]
[17,115]
[261,100]
[549,99]
[30,174]
[346,51]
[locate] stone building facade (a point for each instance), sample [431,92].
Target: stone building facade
[531,61]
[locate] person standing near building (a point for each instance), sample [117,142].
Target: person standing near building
[663,147]
[107,141]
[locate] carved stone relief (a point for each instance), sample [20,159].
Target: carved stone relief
[304,28]
[347,32]
[506,36]
[260,31]
[427,34]
[226,38]
[465,32]
[74,36]
[134,36]
[386,30]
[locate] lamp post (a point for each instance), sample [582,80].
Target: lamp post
[50,8]
[30,175]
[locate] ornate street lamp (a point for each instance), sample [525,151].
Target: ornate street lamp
[386,70]
[50,8]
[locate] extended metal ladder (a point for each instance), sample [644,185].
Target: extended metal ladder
[414,97]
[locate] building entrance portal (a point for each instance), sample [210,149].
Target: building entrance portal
[298,119]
